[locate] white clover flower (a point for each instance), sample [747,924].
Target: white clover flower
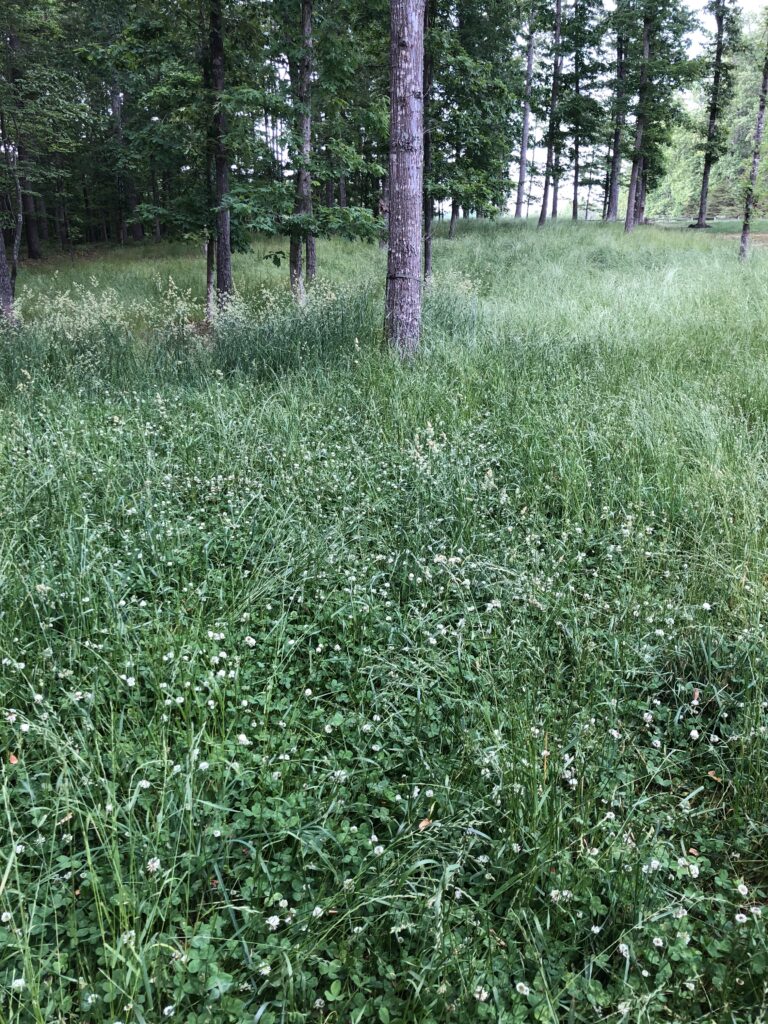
[168,1011]
[153,865]
[694,734]
[243,740]
[317,912]
[481,994]
[756,911]
[658,942]
[18,985]
[144,784]
[308,692]
[249,641]
[265,970]
[5,917]
[624,950]
[203,766]
[378,850]
[522,989]
[742,890]
[273,922]
[740,918]
[596,929]
[694,870]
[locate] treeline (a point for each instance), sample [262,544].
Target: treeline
[123,120]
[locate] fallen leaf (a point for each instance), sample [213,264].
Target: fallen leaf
[13,759]
[715,777]
[693,852]
[425,823]
[65,819]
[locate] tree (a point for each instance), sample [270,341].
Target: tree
[300,69]
[553,128]
[224,283]
[406,148]
[726,37]
[749,203]
[526,118]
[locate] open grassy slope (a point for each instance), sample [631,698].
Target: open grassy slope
[340,691]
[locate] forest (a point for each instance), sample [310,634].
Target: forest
[383,531]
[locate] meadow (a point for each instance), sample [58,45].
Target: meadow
[336,690]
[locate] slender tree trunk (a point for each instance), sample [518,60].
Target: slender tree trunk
[210,276]
[749,204]
[555,186]
[30,219]
[6,285]
[406,174]
[614,184]
[526,125]
[157,230]
[576,173]
[42,219]
[429,203]
[637,158]
[454,218]
[553,113]
[330,193]
[710,155]
[343,192]
[224,283]
[300,70]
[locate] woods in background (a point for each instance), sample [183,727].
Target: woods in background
[212,119]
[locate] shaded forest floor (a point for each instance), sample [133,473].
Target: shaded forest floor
[336,690]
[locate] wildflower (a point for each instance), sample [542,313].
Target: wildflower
[694,734]
[18,985]
[481,994]
[317,912]
[740,918]
[144,784]
[756,911]
[5,917]
[742,889]
[168,1011]
[273,922]
[624,950]
[522,989]
[308,692]
[658,942]
[249,641]
[20,848]
[203,766]
[265,970]
[596,929]
[153,865]
[243,740]
[694,870]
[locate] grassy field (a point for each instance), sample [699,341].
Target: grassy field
[339,691]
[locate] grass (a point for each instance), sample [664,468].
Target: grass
[337,690]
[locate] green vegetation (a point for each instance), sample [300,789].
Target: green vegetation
[337,690]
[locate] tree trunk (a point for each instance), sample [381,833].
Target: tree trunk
[406,174]
[614,183]
[30,218]
[384,211]
[224,284]
[749,204]
[637,158]
[710,155]
[343,192]
[553,113]
[526,126]
[429,203]
[576,172]
[158,228]
[454,218]
[300,69]
[210,276]
[330,193]
[6,286]
[42,219]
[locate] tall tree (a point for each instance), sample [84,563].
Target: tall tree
[526,120]
[300,68]
[553,127]
[224,283]
[406,170]
[726,36]
[749,203]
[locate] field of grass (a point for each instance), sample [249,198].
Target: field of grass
[339,691]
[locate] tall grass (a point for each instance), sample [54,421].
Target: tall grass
[337,690]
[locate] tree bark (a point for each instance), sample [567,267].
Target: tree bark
[552,113]
[454,218]
[637,158]
[429,203]
[749,204]
[300,68]
[42,219]
[6,286]
[224,284]
[406,175]
[614,183]
[714,112]
[343,192]
[30,221]
[526,126]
